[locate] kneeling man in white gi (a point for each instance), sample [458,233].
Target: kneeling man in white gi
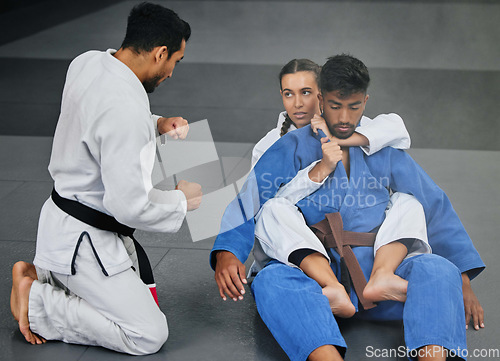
[93,284]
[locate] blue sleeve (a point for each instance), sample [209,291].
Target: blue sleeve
[447,236]
[277,166]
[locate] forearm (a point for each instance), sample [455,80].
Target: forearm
[355,140]
[300,186]
[386,130]
[319,172]
[465,279]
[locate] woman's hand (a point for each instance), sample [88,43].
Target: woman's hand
[318,122]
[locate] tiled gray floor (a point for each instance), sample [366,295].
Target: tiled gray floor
[25,158]
[380,335]
[198,295]
[20,210]
[199,319]
[14,347]
[8,186]
[10,253]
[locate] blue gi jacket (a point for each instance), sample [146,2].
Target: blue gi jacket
[361,200]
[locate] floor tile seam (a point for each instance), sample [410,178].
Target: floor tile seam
[240,145]
[270,64]
[436,68]
[251,145]
[162,258]
[17,240]
[248,153]
[21,183]
[457,149]
[58,102]
[224,183]
[146,246]
[246,144]
[83,353]
[221,164]
[153,105]
[25,180]
[21,102]
[187,248]
[278,65]
[27,136]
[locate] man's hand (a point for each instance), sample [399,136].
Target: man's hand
[175,127]
[193,193]
[473,309]
[332,153]
[230,275]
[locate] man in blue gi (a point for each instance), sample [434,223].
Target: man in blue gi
[290,303]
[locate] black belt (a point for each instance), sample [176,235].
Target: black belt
[100,220]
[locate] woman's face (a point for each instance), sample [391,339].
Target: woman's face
[300,97]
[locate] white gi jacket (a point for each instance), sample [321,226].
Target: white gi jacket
[385,130]
[102,156]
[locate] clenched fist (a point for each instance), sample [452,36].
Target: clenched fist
[193,193]
[175,127]
[332,154]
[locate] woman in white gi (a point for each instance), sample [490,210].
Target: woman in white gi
[85,290]
[281,229]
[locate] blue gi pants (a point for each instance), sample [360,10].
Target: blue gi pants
[300,319]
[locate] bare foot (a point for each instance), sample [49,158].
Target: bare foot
[19,299]
[385,286]
[340,302]
[21,269]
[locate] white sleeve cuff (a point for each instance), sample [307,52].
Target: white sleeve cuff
[155,118]
[300,186]
[385,130]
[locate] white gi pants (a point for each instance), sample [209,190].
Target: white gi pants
[280,228]
[117,312]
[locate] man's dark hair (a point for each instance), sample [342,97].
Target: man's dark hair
[150,25]
[345,74]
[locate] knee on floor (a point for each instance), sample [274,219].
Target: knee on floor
[152,338]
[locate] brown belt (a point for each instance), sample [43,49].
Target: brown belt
[330,232]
